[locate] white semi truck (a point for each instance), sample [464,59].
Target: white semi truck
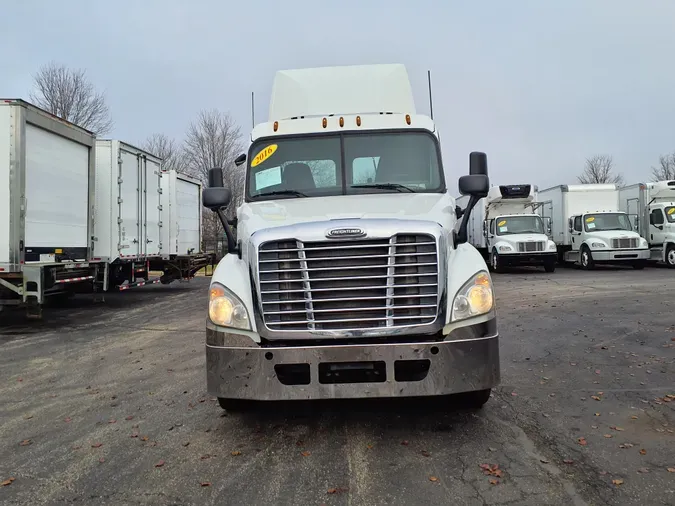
[348,278]
[79,214]
[588,227]
[652,209]
[506,229]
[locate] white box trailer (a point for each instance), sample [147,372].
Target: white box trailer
[46,203]
[129,202]
[651,206]
[506,229]
[181,214]
[588,227]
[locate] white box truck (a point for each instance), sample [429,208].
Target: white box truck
[588,227]
[181,215]
[46,205]
[652,208]
[348,278]
[506,229]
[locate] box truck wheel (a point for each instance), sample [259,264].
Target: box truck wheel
[231,404]
[670,256]
[495,263]
[474,400]
[549,265]
[586,259]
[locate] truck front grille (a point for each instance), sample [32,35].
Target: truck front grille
[630,242]
[530,246]
[349,284]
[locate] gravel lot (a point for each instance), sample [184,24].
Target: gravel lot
[106,404]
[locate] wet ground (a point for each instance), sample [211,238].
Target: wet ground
[106,404]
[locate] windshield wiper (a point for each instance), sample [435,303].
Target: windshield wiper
[294,193]
[386,186]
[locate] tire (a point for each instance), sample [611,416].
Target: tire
[495,263]
[549,266]
[231,404]
[670,256]
[586,259]
[476,399]
[639,265]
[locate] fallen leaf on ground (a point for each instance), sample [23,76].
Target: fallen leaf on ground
[159,464]
[514,394]
[433,478]
[8,481]
[608,436]
[204,457]
[671,469]
[235,453]
[305,454]
[186,443]
[67,419]
[205,484]
[28,417]
[369,446]
[582,441]
[405,443]
[643,452]
[634,417]
[332,491]
[26,442]
[145,438]
[101,460]
[544,461]
[616,428]
[617,482]
[597,414]
[595,397]
[129,417]
[425,453]
[568,461]
[643,470]
[494,482]
[299,443]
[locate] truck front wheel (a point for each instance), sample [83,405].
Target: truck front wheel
[474,400]
[586,259]
[495,263]
[549,265]
[670,256]
[231,404]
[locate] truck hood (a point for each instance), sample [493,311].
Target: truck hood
[608,235]
[435,207]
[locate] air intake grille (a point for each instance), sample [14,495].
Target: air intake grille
[630,242]
[530,246]
[349,284]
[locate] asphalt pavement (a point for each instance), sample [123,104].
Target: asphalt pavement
[105,403]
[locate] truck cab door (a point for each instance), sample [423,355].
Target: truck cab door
[576,232]
[490,233]
[656,226]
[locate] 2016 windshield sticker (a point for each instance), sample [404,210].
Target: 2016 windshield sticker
[501,223]
[503,229]
[591,225]
[263,155]
[671,210]
[590,219]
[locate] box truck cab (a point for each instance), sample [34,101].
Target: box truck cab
[347,278]
[505,228]
[588,227]
[652,209]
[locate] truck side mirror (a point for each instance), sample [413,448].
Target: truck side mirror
[240,159]
[216,197]
[476,185]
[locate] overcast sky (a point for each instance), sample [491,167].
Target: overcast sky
[539,85]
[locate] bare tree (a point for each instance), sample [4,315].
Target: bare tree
[68,94]
[214,140]
[168,150]
[666,169]
[599,169]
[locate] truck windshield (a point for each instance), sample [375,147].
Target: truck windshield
[507,225]
[670,214]
[344,164]
[606,221]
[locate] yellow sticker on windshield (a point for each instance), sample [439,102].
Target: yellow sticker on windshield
[671,210]
[263,155]
[501,223]
[590,219]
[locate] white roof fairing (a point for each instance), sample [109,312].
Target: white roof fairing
[353,89]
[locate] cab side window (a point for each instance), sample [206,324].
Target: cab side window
[492,227]
[656,217]
[577,223]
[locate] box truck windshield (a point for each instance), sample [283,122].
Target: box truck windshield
[508,225]
[347,164]
[606,221]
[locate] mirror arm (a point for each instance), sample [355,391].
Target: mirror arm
[462,236]
[231,243]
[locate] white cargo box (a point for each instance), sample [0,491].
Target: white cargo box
[46,187]
[128,203]
[181,214]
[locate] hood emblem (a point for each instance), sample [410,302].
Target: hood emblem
[337,233]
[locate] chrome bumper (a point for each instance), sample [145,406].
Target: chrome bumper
[620,255]
[458,364]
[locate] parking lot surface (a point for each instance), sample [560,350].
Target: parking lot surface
[106,404]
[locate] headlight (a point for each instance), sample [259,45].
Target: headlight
[551,246]
[505,248]
[644,243]
[475,298]
[226,309]
[598,245]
